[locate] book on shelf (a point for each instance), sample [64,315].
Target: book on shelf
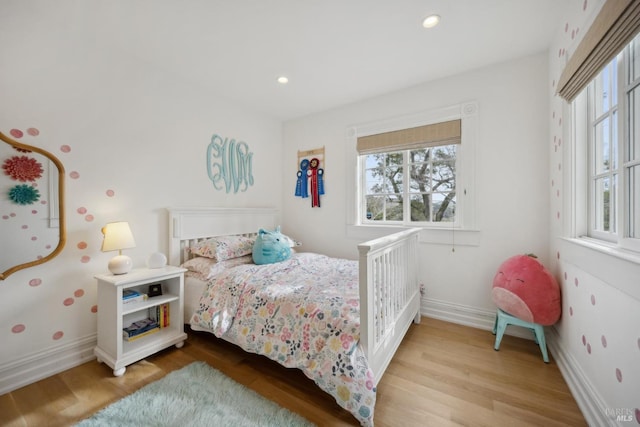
[139,327]
[143,334]
[129,293]
[161,314]
[136,299]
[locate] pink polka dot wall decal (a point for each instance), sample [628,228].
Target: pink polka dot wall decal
[78,293]
[553,182]
[35,282]
[603,339]
[16,133]
[593,300]
[18,328]
[47,246]
[81,210]
[89,218]
[34,211]
[558,193]
[619,375]
[558,214]
[82,245]
[110,193]
[33,131]
[565,275]
[638,415]
[34,238]
[575,281]
[558,255]
[24,226]
[638,343]
[570,311]
[584,5]
[589,348]
[65,148]
[68,301]
[58,335]
[5,216]
[85,259]
[74,175]
[94,308]
[584,340]
[566,27]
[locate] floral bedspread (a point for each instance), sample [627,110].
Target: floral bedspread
[303,313]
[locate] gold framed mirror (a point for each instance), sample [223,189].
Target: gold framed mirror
[32,220]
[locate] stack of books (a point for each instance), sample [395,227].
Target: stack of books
[131,296]
[140,329]
[160,314]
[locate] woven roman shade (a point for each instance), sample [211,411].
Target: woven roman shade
[432,135]
[614,27]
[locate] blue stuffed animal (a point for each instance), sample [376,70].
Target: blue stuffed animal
[271,247]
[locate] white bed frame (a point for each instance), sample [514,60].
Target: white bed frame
[388,272]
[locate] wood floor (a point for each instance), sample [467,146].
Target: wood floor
[442,375]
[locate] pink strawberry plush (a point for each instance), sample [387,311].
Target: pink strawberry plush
[525,289]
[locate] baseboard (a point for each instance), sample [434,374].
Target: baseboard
[43,364]
[589,401]
[468,316]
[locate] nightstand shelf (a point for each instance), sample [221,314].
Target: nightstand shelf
[114,315]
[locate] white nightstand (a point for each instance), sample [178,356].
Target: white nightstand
[114,315]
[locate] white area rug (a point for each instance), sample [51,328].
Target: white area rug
[196,395]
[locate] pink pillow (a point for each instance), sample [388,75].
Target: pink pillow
[525,289]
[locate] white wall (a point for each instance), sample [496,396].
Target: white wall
[131,129]
[511,176]
[597,339]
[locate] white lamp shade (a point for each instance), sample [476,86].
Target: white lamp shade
[117,236]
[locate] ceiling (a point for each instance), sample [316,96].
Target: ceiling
[334,52]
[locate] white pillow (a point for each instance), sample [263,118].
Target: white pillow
[205,268]
[222,248]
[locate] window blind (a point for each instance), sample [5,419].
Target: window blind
[614,27]
[432,135]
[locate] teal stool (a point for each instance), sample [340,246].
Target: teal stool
[504,319]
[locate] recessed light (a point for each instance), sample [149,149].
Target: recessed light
[431,21]
[283,80]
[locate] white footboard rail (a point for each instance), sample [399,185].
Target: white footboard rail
[389,295]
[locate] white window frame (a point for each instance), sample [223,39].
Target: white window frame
[465,224]
[581,183]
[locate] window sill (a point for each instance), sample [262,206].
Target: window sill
[615,267]
[437,236]
[606,248]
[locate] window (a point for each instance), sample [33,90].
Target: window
[609,109]
[429,186]
[415,171]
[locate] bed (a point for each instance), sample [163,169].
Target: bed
[342,334]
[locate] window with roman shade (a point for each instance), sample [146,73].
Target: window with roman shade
[614,27]
[409,175]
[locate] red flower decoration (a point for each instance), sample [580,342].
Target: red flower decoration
[23,168]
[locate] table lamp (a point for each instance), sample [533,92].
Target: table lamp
[117,236]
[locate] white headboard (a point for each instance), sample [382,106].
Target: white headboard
[189,225]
